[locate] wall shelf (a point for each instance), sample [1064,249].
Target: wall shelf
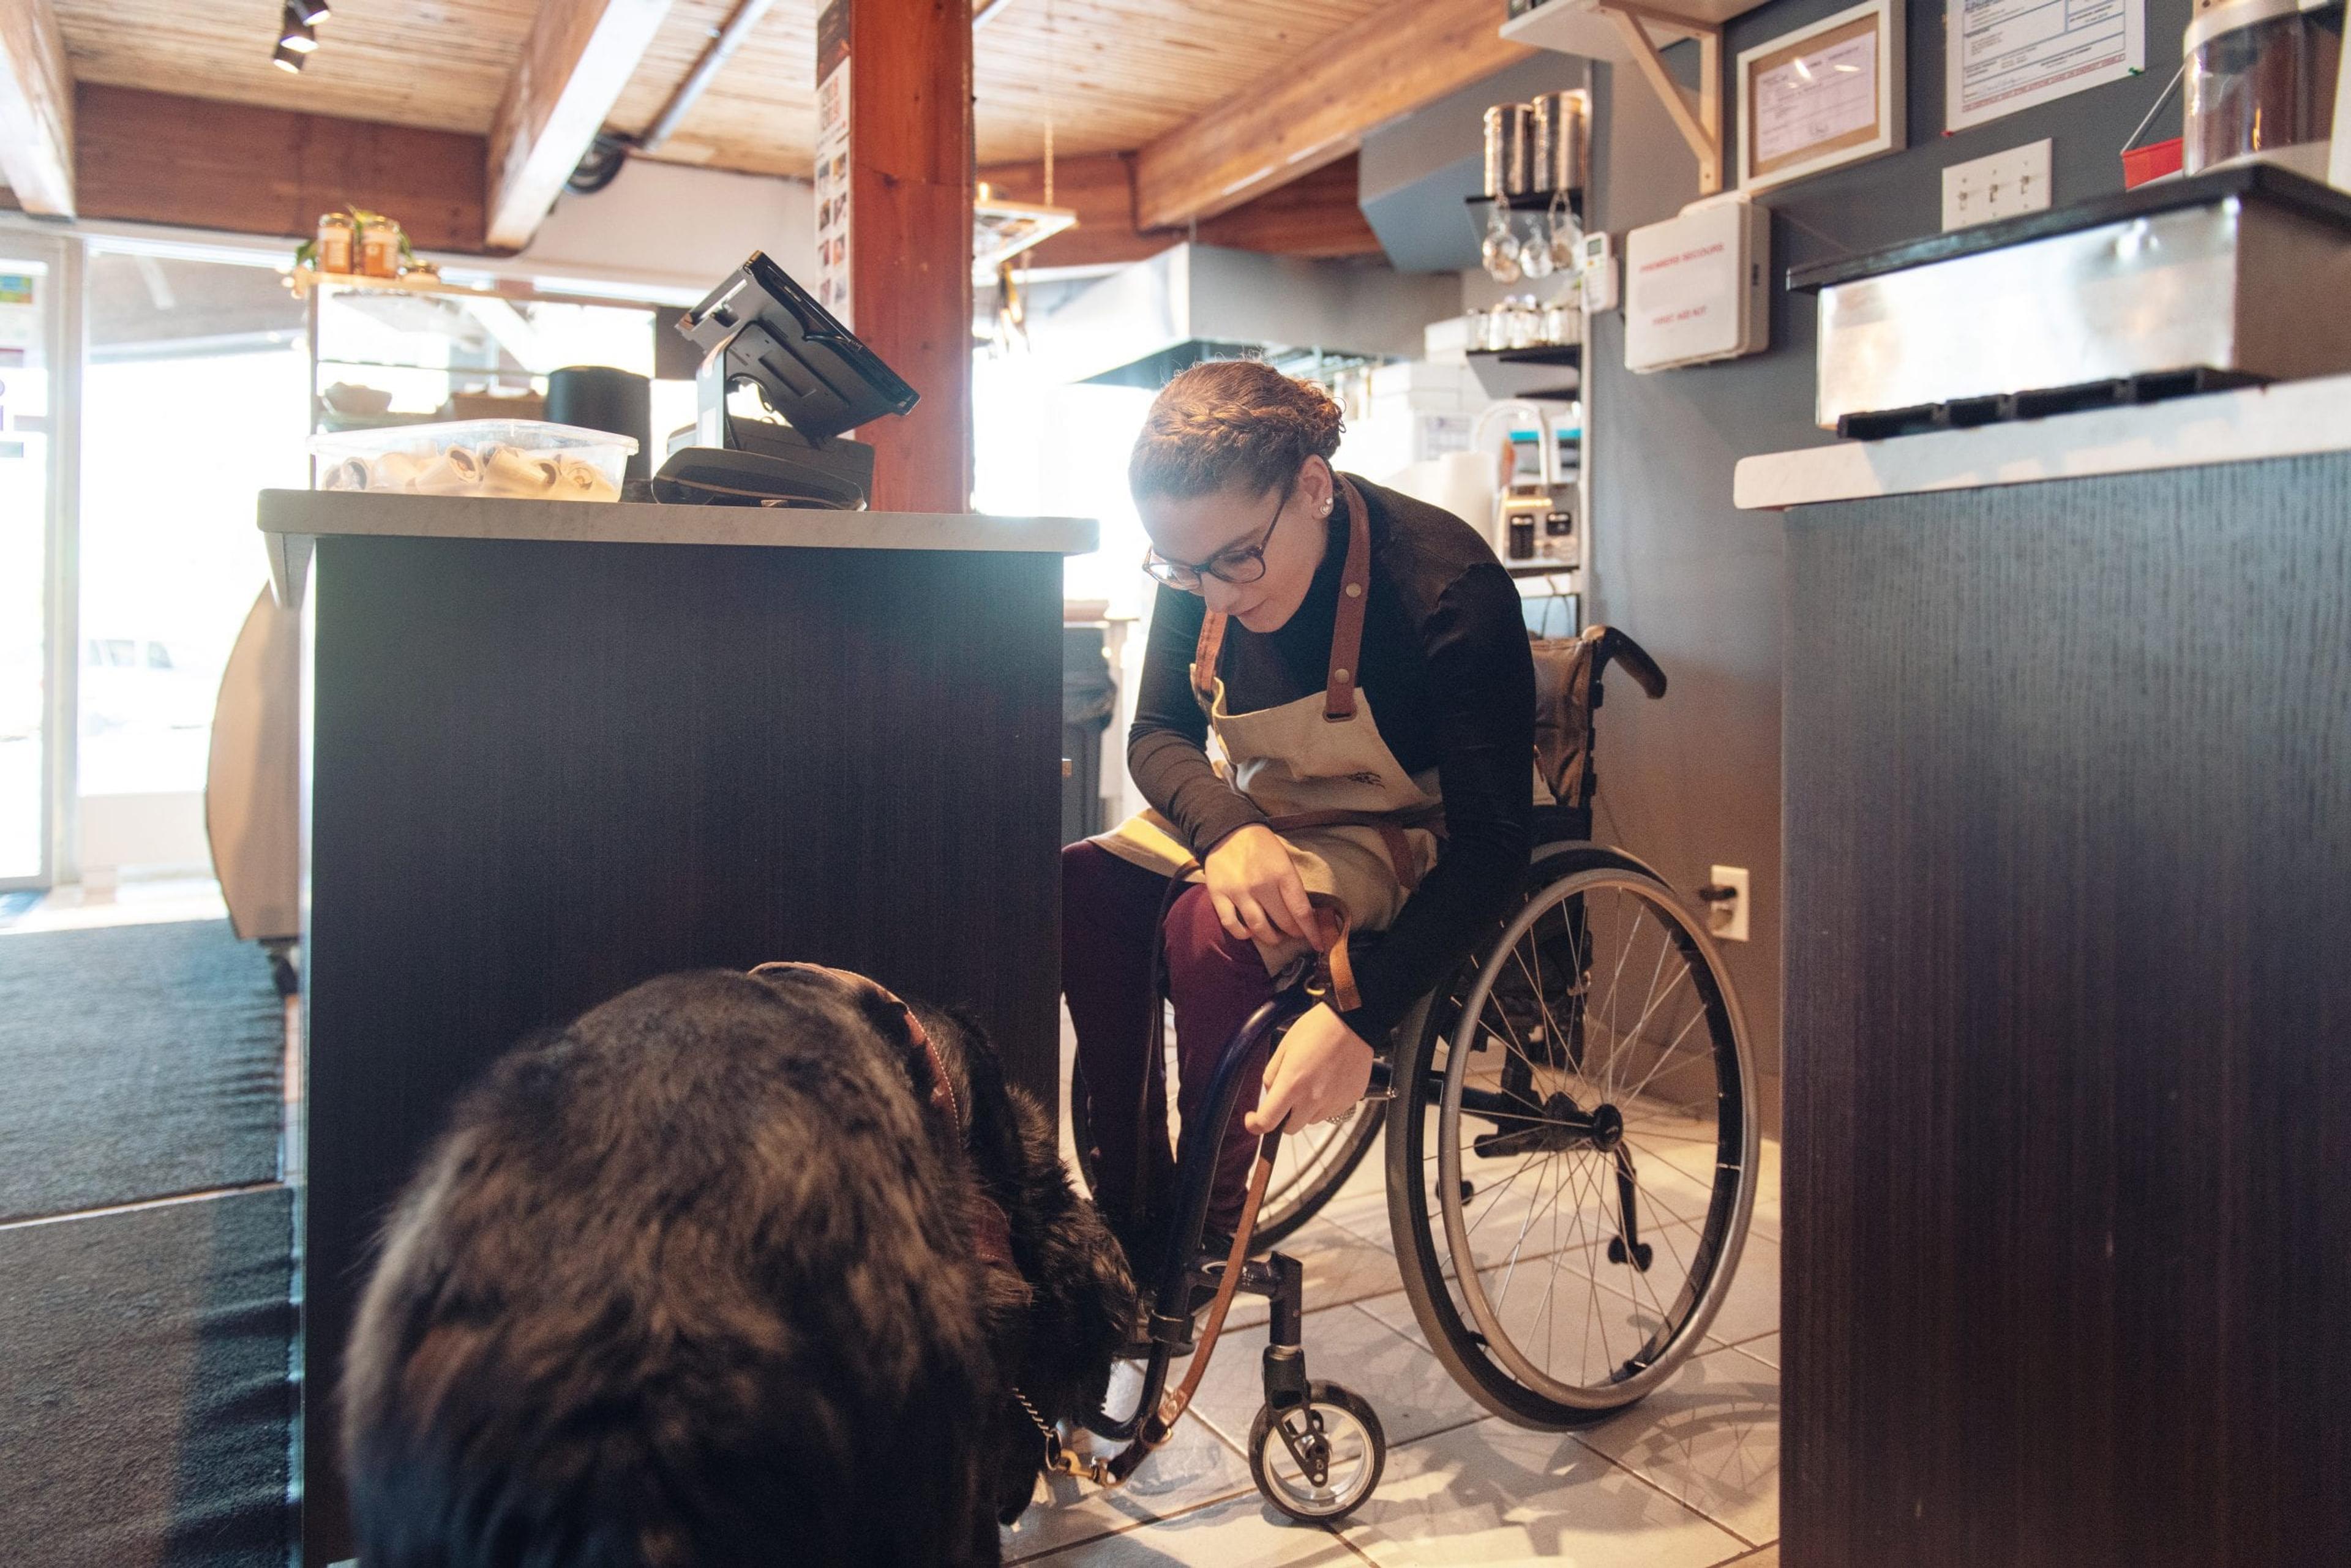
[1538,354]
[1625,33]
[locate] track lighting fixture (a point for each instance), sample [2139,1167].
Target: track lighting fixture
[312,12]
[293,32]
[287,59]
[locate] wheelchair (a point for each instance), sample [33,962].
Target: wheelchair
[1570,1158]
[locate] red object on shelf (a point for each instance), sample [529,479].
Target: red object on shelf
[2152,162]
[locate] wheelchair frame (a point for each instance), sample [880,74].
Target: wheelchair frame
[1289,1395]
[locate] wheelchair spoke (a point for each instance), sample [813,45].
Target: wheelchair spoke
[1671,1047]
[1648,1005]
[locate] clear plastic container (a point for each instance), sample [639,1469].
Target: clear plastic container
[517,459]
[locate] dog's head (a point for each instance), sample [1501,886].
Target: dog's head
[1068,1301]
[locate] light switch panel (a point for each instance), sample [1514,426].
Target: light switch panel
[2000,186]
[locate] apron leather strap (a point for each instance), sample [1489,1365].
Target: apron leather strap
[1354,597]
[1391,832]
[1346,629]
[1204,657]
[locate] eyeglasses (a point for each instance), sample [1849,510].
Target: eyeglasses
[1236,564]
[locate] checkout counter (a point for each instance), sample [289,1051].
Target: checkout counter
[553,750]
[2067,785]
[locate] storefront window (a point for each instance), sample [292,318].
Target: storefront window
[24,531]
[195,398]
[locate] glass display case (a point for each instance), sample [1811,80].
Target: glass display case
[412,351]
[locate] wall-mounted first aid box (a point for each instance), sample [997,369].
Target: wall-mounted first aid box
[1698,287]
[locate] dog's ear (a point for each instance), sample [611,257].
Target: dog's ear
[1083,1304]
[995,1136]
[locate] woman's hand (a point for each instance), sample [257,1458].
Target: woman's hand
[1319,1070]
[1255,888]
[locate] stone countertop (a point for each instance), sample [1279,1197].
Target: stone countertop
[2286,419]
[294,519]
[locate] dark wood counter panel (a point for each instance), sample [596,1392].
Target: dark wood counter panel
[542,770]
[2068,1024]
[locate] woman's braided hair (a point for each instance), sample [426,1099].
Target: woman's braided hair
[1231,423]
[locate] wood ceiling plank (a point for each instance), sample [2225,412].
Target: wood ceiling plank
[36,123]
[437,63]
[1303,116]
[574,67]
[1111,75]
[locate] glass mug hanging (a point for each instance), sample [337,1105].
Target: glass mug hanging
[1509,173]
[1557,151]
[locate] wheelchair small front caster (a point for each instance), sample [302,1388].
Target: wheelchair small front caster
[1641,1254]
[1318,1462]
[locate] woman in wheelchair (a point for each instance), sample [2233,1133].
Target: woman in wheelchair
[1363,663]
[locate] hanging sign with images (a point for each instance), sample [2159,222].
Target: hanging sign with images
[831,180]
[2000,56]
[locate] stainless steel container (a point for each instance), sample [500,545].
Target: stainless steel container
[1559,145]
[2239,273]
[1510,146]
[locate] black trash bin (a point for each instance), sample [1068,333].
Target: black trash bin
[1089,698]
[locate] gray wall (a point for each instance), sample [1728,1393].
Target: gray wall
[1695,780]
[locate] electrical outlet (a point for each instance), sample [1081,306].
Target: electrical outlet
[1726,903]
[2000,186]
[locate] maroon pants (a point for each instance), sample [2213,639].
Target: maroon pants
[1216,980]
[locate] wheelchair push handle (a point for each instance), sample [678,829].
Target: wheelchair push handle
[1616,646]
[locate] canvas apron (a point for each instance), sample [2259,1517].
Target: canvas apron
[1360,831]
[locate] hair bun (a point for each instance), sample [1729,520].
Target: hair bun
[1231,423]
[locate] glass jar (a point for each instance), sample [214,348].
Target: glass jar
[2260,78]
[337,243]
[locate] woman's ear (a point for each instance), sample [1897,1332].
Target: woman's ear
[1320,484]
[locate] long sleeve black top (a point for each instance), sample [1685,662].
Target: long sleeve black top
[1445,665]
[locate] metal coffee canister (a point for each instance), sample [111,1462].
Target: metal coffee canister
[1556,149]
[1510,147]
[379,249]
[338,241]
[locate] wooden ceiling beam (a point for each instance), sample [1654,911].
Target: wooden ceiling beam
[1298,120]
[37,156]
[154,158]
[1318,215]
[578,58]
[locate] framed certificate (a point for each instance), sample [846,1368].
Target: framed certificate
[1821,97]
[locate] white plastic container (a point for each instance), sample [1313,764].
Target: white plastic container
[517,459]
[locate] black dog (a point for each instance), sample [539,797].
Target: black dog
[716,1276]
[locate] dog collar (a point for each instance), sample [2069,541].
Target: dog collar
[991,1237]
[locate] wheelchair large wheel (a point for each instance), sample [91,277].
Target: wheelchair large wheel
[1309,1168]
[1572,1147]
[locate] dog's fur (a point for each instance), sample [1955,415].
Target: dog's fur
[692,1282]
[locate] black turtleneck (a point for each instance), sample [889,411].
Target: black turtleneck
[1450,681]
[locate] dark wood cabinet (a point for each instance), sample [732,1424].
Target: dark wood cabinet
[541,771]
[2067,1267]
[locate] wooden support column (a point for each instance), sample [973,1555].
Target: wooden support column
[910,191]
[36,108]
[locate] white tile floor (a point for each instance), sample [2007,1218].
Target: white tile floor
[1688,1478]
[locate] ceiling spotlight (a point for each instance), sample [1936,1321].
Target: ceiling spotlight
[287,59]
[311,12]
[294,33]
